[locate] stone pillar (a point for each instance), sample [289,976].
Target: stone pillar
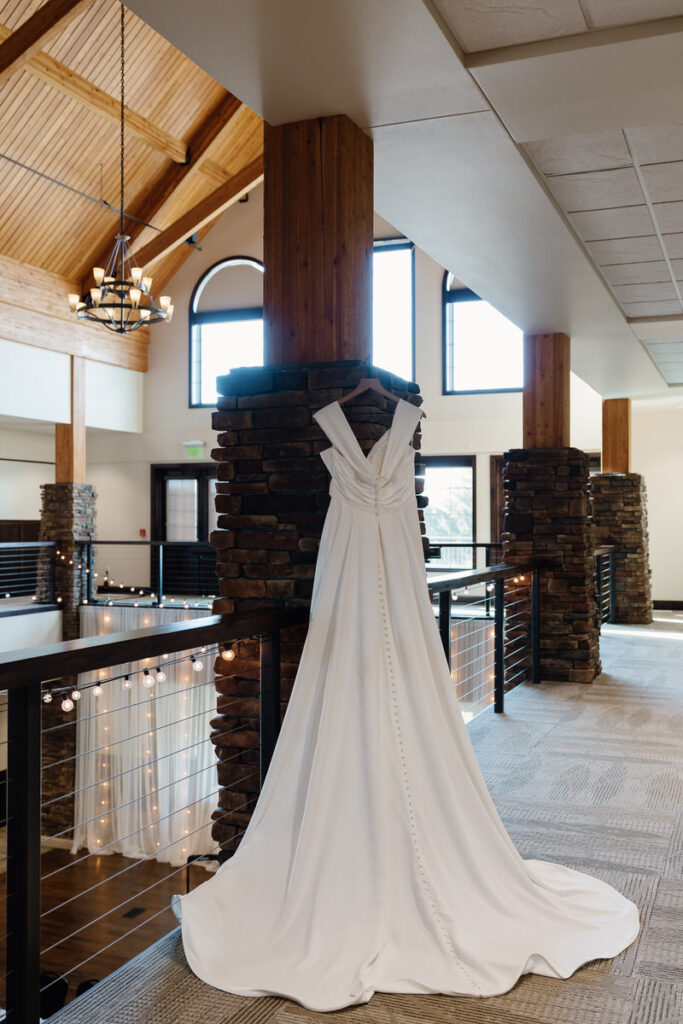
[68,518]
[547,508]
[620,517]
[272,496]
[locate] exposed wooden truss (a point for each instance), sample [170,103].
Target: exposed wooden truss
[90,96]
[154,201]
[33,33]
[201,214]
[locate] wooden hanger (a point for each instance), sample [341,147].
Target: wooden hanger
[372,384]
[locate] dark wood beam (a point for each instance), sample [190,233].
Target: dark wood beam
[616,435]
[545,402]
[318,220]
[37,30]
[149,207]
[201,213]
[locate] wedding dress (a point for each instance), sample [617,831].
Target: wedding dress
[375,859]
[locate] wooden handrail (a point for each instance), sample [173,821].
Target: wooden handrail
[52,661]
[468,578]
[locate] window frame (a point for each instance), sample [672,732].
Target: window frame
[388,245]
[213,316]
[455,461]
[449,296]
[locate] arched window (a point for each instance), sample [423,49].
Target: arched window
[226,324]
[482,349]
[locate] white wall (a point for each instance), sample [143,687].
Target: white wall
[26,462]
[657,453]
[119,464]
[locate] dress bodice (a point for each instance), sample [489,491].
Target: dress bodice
[381,481]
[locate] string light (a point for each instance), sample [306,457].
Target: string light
[160,676]
[97,690]
[197,665]
[47,698]
[127,683]
[67,704]
[75,694]
[227,653]
[147,679]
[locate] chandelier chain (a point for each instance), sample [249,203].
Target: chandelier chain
[123,67]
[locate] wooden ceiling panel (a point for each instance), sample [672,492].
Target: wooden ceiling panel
[56,132]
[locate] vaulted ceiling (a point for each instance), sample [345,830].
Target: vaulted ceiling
[59,111]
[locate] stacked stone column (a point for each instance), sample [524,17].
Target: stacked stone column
[67,518]
[547,516]
[272,496]
[619,502]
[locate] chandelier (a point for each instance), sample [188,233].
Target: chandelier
[122,297]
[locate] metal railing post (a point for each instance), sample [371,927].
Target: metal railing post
[445,623]
[612,587]
[535,627]
[598,585]
[89,574]
[269,717]
[499,640]
[53,574]
[160,574]
[23,855]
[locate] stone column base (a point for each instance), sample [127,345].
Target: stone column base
[620,517]
[547,515]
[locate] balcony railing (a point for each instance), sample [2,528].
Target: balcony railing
[445,556]
[159,573]
[27,574]
[605,582]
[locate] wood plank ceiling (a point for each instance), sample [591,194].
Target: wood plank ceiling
[58,115]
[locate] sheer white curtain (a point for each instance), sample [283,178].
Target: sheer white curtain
[146,781]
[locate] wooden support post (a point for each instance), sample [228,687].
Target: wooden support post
[70,437]
[318,238]
[616,435]
[546,391]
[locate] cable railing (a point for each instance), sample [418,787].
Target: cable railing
[27,574]
[130,772]
[605,582]
[489,625]
[175,574]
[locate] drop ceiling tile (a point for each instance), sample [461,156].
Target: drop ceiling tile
[597,190]
[624,222]
[666,308]
[486,24]
[669,348]
[637,273]
[643,292]
[626,250]
[596,152]
[664,182]
[605,13]
[673,244]
[669,216]
[656,143]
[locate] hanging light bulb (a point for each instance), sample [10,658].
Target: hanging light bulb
[127,683]
[147,680]
[67,704]
[122,297]
[75,694]
[47,698]
[227,653]
[97,690]
[160,676]
[197,665]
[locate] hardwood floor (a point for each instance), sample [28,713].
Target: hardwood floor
[88,906]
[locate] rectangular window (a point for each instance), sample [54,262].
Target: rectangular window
[450,514]
[393,307]
[482,348]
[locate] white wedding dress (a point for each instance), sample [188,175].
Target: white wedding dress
[375,859]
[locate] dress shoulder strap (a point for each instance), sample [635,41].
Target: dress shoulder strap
[337,429]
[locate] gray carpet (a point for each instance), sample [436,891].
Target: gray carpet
[590,776]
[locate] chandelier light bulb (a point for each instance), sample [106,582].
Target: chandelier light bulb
[136,275]
[67,704]
[98,274]
[147,284]
[95,295]
[135,296]
[164,302]
[74,301]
